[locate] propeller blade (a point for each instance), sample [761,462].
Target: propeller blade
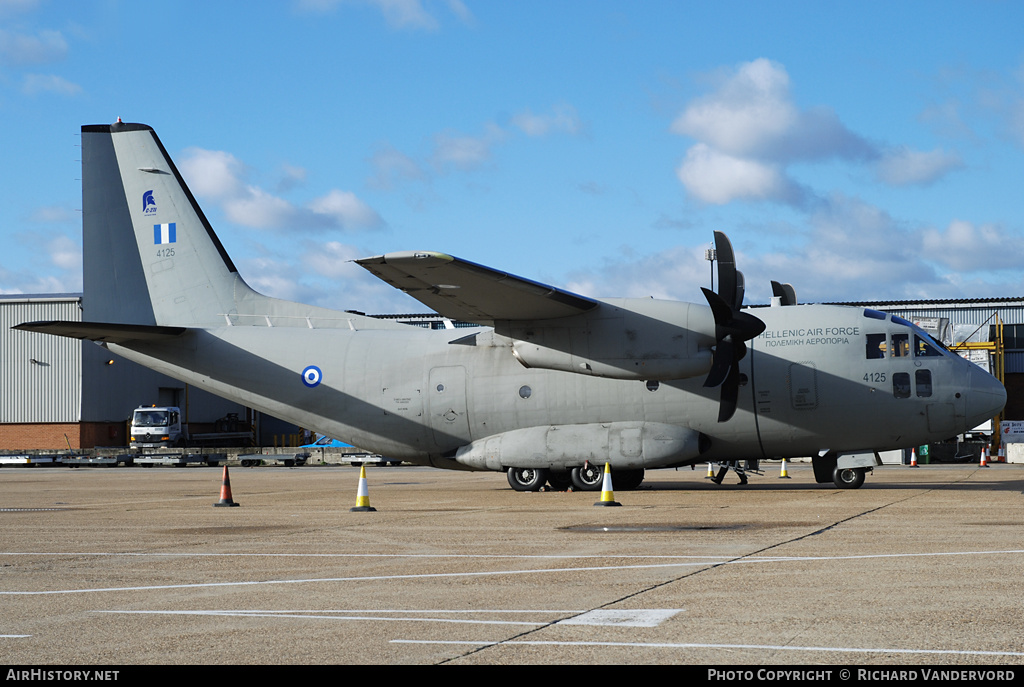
[732,328]
[730,394]
[726,269]
[784,292]
[722,363]
[738,303]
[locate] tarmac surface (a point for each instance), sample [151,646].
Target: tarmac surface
[102,566]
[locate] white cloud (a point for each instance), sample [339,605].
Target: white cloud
[345,210]
[717,178]
[967,247]
[562,119]
[42,47]
[392,166]
[852,251]
[292,177]
[48,83]
[65,253]
[212,173]
[464,152]
[220,176]
[399,14]
[903,166]
[750,109]
[406,14]
[254,207]
[749,129]
[54,214]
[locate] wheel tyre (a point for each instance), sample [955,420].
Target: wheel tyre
[848,478]
[588,478]
[527,479]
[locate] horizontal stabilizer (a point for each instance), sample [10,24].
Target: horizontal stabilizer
[463,290]
[102,331]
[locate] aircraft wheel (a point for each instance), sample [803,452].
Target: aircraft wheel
[848,478]
[588,478]
[559,481]
[627,480]
[527,479]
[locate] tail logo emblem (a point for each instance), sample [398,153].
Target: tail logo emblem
[165,233]
[311,376]
[148,203]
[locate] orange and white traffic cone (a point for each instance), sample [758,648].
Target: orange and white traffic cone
[225,491]
[984,458]
[607,495]
[913,457]
[1001,454]
[784,474]
[362,495]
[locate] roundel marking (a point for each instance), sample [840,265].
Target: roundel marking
[311,376]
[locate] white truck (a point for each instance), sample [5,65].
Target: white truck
[157,427]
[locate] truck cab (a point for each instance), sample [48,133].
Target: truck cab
[156,427]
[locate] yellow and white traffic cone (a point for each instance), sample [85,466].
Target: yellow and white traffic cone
[362,494]
[913,457]
[607,495]
[711,471]
[984,458]
[784,475]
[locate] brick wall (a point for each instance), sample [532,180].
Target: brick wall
[44,435]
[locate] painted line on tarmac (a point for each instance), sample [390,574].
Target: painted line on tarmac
[352,615]
[683,645]
[489,573]
[649,617]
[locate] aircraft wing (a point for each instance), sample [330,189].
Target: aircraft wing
[102,331]
[466,291]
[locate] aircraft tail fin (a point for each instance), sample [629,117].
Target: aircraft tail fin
[150,254]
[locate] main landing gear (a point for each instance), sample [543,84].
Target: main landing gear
[588,477]
[848,478]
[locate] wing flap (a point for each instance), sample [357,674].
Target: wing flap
[464,290]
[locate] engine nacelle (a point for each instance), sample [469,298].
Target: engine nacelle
[635,338]
[625,445]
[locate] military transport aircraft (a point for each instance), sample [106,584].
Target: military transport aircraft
[549,387]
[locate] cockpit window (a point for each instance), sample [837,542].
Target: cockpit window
[900,345]
[875,346]
[924,348]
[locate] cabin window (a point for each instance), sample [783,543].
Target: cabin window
[875,346]
[924,349]
[900,345]
[525,391]
[901,385]
[923,382]
[653,384]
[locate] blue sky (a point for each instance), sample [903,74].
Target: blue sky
[860,151]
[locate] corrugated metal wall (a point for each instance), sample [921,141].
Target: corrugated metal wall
[40,375]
